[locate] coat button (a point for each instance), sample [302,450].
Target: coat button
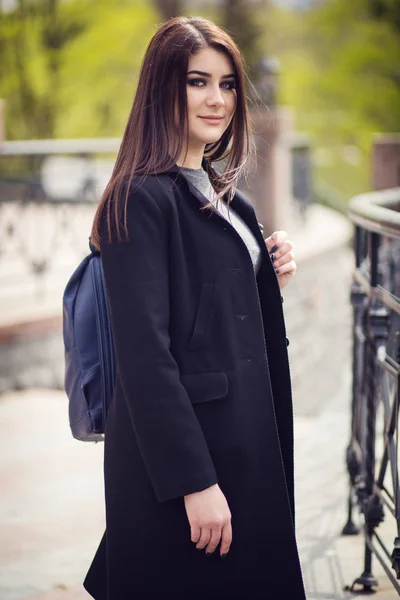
[235,271]
[287,341]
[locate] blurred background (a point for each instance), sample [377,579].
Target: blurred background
[326,116]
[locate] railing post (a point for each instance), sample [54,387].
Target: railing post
[353,450]
[395,556]
[372,506]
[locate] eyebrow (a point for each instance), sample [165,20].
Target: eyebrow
[209,74]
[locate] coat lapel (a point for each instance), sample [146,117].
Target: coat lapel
[240,203]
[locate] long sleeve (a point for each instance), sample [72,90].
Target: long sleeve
[136,274]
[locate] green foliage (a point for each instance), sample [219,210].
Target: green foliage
[33,38]
[69,68]
[340,72]
[101,69]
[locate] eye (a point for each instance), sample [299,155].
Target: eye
[231,84]
[195,81]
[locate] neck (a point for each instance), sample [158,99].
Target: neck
[192,158]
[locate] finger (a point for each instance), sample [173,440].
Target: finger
[195,532]
[281,251]
[289,267]
[283,247]
[270,242]
[275,239]
[214,540]
[280,233]
[278,236]
[226,538]
[284,258]
[205,537]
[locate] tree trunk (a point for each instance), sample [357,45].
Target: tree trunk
[169,8]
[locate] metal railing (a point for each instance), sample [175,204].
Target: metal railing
[372,455]
[51,187]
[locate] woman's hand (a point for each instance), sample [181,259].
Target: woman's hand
[210,519]
[282,256]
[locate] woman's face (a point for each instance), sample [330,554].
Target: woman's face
[211,92]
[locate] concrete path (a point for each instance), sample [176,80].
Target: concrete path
[52,515]
[330,562]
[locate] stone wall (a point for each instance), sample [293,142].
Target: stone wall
[32,357]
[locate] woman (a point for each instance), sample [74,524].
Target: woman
[199,439]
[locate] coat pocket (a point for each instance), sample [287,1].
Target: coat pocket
[203,315]
[202,387]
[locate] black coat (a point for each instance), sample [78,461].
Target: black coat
[203,396]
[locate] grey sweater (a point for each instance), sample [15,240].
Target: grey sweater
[200,178]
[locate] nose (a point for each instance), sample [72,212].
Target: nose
[215,97]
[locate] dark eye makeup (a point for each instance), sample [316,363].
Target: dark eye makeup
[193,82]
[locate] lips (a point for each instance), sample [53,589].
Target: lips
[212,118]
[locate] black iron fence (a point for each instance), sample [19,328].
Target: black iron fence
[373,451]
[49,190]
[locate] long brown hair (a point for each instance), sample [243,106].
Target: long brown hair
[146,144]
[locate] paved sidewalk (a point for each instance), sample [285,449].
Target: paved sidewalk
[330,562]
[52,514]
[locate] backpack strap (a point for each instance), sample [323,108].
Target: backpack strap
[92,248]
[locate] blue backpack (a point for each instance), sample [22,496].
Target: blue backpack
[88,350]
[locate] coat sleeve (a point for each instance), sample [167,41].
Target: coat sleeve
[136,273]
